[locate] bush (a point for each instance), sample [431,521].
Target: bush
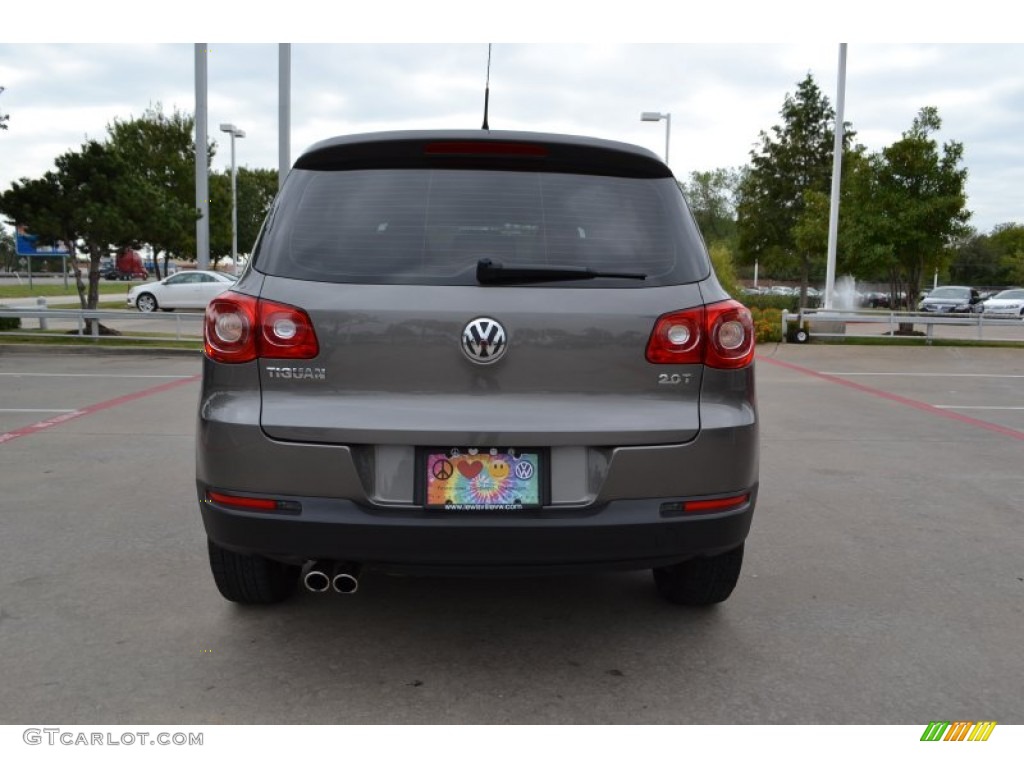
[767,324]
[9,323]
[725,270]
[769,301]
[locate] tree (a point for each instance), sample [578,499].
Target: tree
[711,196]
[912,204]
[161,150]
[256,190]
[91,202]
[1007,241]
[41,206]
[794,159]
[3,118]
[976,261]
[8,257]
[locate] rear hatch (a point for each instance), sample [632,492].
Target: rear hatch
[395,247]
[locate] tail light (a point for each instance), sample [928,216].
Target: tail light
[241,328]
[720,336]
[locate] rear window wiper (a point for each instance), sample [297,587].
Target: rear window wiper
[495,273]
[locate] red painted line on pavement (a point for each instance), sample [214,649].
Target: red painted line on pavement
[917,404]
[7,437]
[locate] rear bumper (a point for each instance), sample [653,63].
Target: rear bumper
[623,534]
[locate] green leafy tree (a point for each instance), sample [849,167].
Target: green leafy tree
[1007,241]
[911,205]
[42,207]
[711,196]
[89,202]
[725,270]
[3,118]
[256,189]
[8,257]
[793,159]
[976,261]
[161,150]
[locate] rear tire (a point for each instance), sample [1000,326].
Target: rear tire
[702,580]
[251,579]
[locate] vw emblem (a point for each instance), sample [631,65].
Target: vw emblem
[484,341]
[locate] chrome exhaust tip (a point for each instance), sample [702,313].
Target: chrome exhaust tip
[317,578]
[346,578]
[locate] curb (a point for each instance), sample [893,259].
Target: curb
[98,349]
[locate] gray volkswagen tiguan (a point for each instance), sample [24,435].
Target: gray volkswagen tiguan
[477,352]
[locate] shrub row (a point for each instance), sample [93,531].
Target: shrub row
[9,323]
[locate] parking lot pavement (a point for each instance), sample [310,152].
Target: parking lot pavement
[883,580]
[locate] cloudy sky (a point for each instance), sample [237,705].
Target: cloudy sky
[720,94]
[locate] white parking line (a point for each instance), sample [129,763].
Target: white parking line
[103,375]
[936,375]
[982,407]
[6,437]
[36,410]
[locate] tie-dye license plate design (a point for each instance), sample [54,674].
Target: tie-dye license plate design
[458,479]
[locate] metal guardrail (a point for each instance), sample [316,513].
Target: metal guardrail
[836,323]
[188,326]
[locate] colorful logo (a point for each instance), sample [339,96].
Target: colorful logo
[960,730]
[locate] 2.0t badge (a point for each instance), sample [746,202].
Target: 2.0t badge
[484,340]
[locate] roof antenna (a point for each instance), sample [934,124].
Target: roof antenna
[487,89]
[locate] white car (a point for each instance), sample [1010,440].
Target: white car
[189,289]
[1008,303]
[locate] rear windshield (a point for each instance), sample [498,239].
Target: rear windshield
[432,226]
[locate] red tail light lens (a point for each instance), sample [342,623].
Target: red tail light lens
[241,328]
[730,335]
[678,338]
[286,332]
[229,334]
[719,335]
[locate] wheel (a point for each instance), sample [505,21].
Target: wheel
[702,580]
[251,579]
[146,302]
[801,336]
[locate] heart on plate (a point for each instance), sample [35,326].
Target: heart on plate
[470,469]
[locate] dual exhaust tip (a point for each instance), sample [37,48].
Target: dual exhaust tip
[323,575]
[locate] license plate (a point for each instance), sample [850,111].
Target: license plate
[484,479]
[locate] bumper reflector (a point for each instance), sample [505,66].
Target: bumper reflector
[247,502]
[704,505]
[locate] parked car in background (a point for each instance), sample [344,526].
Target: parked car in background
[193,289]
[951,298]
[1008,303]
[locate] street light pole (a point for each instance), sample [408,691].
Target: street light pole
[653,117]
[236,133]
